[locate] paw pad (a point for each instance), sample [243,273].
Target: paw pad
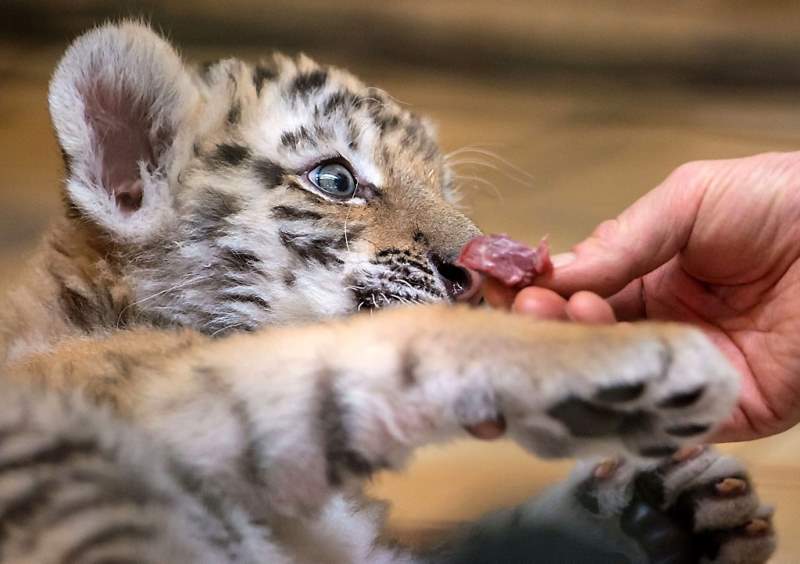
[620,393]
[641,425]
[683,399]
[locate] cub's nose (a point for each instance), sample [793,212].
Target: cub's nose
[461,284]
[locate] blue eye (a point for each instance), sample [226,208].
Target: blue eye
[334,179]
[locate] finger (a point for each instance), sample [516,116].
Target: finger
[643,237]
[629,303]
[737,428]
[540,303]
[587,307]
[498,295]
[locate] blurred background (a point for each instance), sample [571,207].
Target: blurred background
[564,113]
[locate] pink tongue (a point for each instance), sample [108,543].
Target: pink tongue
[514,264]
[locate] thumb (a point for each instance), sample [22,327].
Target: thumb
[645,236]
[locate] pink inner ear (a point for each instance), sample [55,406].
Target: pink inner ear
[122,128]
[128,195]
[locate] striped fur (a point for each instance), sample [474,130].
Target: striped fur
[182,379]
[252,431]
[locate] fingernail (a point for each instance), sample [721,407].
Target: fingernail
[562,259]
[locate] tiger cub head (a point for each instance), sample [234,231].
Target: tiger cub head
[234,196]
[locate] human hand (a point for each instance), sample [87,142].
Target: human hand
[717,244]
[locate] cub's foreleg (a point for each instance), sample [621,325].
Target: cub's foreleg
[288,416]
[282,419]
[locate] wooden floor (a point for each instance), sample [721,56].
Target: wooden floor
[569,153]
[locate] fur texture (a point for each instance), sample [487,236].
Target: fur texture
[141,424]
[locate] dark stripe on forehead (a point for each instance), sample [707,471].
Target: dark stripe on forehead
[289,140]
[230,154]
[321,133]
[385,117]
[386,122]
[302,136]
[335,101]
[235,113]
[262,74]
[341,100]
[353,132]
[270,173]
[290,213]
[205,69]
[305,83]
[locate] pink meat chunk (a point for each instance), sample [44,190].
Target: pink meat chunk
[514,264]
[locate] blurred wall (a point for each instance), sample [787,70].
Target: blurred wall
[712,41]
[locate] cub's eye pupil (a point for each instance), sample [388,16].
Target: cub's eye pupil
[334,179]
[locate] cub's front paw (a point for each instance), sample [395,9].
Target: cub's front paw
[647,392]
[699,506]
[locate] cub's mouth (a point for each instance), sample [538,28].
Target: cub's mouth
[513,264]
[461,284]
[399,276]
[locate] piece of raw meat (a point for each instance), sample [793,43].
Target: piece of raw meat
[514,264]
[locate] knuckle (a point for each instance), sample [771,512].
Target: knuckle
[694,176]
[607,230]
[690,171]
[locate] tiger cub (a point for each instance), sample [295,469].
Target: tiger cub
[184,380]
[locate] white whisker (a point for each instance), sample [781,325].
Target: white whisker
[472,150]
[481,181]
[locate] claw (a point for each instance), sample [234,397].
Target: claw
[606,469]
[488,430]
[688,453]
[757,527]
[731,486]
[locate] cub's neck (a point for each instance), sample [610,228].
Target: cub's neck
[72,287]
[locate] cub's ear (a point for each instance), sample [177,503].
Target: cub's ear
[118,100]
